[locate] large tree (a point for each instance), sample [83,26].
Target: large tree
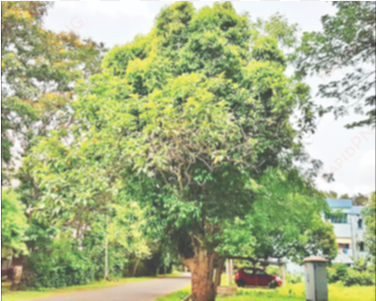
[348,43]
[185,119]
[38,70]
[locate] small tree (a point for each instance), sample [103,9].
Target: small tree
[13,222]
[13,229]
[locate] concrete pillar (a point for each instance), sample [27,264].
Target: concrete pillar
[231,271]
[282,273]
[354,234]
[228,272]
[316,279]
[17,274]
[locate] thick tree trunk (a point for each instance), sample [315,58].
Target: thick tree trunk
[201,267]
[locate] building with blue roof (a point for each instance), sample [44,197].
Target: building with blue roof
[349,228]
[340,203]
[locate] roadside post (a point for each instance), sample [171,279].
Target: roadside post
[316,279]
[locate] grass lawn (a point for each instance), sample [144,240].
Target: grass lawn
[292,292]
[8,295]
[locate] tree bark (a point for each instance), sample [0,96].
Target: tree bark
[218,274]
[135,267]
[201,267]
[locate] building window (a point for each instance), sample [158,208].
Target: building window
[361,246]
[344,248]
[360,223]
[337,218]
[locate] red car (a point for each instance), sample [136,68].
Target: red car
[256,277]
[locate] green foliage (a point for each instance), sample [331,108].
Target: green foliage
[290,278]
[336,216]
[347,40]
[369,213]
[361,263]
[360,200]
[337,272]
[13,222]
[272,270]
[190,114]
[39,68]
[294,278]
[350,276]
[322,240]
[62,265]
[285,221]
[182,121]
[76,246]
[277,26]
[354,277]
[126,229]
[62,261]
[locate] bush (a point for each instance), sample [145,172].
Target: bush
[59,262]
[59,267]
[354,277]
[293,278]
[337,272]
[349,276]
[272,270]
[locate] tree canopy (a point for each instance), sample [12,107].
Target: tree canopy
[39,68]
[370,220]
[347,42]
[13,222]
[285,221]
[184,121]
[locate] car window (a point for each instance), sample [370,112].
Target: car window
[258,272]
[249,272]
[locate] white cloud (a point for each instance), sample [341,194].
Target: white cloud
[336,186]
[366,169]
[360,181]
[107,8]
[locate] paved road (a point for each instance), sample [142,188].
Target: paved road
[139,291]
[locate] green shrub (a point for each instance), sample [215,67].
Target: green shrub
[290,278]
[58,263]
[293,278]
[354,277]
[272,270]
[58,269]
[337,272]
[349,276]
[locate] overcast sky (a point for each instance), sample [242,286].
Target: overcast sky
[349,153]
